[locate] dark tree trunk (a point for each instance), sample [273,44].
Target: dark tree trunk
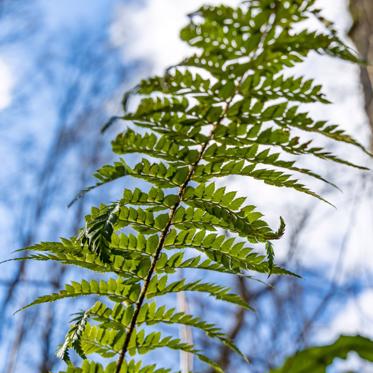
[362,34]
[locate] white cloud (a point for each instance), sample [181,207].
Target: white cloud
[6,84]
[355,318]
[150,31]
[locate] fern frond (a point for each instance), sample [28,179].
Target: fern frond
[159,286]
[267,88]
[158,147]
[115,290]
[73,337]
[230,253]
[118,318]
[254,155]
[239,168]
[107,342]
[209,216]
[98,230]
[229,109]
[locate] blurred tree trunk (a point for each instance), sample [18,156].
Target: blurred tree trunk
[362,34]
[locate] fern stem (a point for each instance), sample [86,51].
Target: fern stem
[164,234]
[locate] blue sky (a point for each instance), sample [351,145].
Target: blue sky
[46,65]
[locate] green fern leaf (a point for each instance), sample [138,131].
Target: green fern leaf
[98,230]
